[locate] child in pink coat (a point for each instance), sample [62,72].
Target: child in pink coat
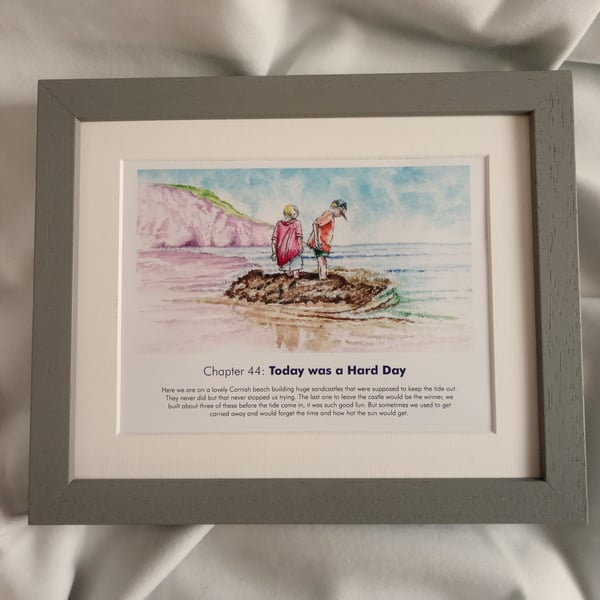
[287,244]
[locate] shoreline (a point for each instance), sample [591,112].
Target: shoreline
[182,308]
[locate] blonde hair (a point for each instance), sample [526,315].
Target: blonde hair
[288,210]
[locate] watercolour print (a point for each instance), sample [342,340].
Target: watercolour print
[263,276]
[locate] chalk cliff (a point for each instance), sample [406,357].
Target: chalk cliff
[171,216]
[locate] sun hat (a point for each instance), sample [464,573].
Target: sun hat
[341,205]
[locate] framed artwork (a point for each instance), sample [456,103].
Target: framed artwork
[307,299]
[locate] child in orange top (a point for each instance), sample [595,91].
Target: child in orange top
[322,234]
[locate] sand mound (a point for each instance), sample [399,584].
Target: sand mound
[344,288]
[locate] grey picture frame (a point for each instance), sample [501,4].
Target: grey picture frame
[558,495]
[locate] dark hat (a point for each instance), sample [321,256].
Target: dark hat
[341,205]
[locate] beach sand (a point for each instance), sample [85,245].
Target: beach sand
[182,308]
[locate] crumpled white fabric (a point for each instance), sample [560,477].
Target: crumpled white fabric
[56,38]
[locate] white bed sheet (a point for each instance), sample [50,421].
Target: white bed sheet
[56,38]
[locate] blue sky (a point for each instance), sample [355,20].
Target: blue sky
[385,204]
